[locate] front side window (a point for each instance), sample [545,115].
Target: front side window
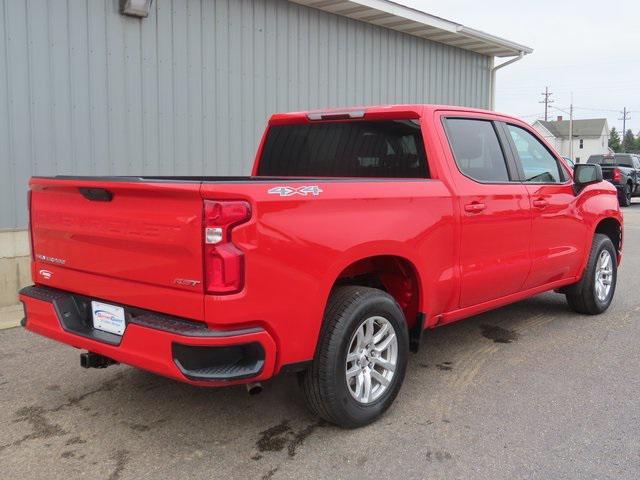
[379,149]
[476,149]
[537,162]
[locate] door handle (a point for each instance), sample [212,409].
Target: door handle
[540,203]
[474,207]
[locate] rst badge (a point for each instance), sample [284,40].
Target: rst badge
[186,282]
[286,191]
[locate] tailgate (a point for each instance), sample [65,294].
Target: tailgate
[127,230]
[607,172]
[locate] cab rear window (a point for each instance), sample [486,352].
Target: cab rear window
[382,149]
[614,160]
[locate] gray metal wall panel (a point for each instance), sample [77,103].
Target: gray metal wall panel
[7,194]
[86,91]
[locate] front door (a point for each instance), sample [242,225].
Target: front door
[558,235]
[495,213]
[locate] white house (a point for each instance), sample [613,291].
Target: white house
[590,136]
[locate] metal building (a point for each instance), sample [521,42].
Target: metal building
[85,89]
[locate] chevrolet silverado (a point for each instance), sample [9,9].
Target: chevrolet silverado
[357,230]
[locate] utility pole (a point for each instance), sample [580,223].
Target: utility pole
[571,128]
[570,112]
[625,116]
[546,94]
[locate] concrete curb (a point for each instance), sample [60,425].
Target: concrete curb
[10,316]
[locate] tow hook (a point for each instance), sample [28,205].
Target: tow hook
[95,360]
[254,388]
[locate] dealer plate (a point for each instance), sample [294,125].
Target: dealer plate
[108,318]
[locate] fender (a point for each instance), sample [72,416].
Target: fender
[606,207]
[367,250]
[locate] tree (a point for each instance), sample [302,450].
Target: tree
[628,141]
[614,140]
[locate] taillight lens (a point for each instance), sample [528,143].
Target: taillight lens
[617,175]
[223,261]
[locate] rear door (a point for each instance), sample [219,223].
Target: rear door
[495,212]
[558,233]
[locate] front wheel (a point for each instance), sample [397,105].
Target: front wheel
[361,357]
[598,283]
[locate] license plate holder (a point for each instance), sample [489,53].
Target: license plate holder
[108,318]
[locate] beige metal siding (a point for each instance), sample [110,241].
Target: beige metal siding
[187,91]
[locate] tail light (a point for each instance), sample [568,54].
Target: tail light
[617,175]
[223,261]
[30,225]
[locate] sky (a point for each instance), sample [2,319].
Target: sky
[589,48]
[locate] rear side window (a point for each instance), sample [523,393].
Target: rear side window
[384,149]
[477,150]
[537,162]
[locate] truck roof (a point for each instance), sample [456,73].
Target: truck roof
[411,110]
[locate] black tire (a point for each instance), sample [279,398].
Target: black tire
[324,384]
[625,196]
[585,300]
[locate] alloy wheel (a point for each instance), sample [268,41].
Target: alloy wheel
[371,359]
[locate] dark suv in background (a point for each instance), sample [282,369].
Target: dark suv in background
[623,170]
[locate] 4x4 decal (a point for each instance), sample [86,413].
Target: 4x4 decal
[286,191]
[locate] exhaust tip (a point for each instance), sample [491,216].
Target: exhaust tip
[254,388]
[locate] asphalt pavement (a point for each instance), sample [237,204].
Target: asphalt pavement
[529,391]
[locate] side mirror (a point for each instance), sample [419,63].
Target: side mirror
[586,174]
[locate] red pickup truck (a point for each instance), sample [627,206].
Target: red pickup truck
[357,230]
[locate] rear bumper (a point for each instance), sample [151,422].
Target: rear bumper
[181,349]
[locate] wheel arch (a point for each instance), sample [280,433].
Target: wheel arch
[393,273]
[612,228]
[609,225]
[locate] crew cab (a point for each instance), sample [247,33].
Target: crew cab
[623,171]
[357,230]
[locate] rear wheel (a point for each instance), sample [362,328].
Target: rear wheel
[595,291]
[625,196]
[361,357]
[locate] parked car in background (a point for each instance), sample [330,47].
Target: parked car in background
[358,230]
[623,170]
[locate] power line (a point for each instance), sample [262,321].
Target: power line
[598,109]
[546,94]
[531,115]
[628,112]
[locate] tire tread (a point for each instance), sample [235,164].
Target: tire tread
[319,393]
[584,301]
